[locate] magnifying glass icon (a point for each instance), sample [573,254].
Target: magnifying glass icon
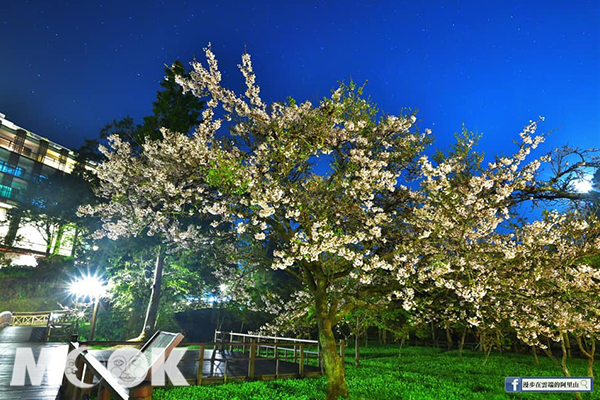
[584,384]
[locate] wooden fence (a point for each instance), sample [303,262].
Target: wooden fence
[34,318]
[289,349]
[58,323]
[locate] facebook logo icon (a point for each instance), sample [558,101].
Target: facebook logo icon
[512,384]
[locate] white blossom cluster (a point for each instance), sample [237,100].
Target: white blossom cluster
[383,221]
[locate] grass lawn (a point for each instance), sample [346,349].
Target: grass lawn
[420,373]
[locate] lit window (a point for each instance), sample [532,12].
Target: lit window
[10,169]
[5,191]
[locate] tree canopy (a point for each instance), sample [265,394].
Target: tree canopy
[343,199]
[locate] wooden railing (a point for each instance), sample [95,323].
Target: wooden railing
[274,344]
[89,369]
[58,323]
[301,353]
[34,318]
[298,353]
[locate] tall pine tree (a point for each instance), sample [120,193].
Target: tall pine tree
[172,109]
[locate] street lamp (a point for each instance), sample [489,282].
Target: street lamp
[89,286]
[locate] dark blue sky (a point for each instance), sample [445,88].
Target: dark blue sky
[68,68]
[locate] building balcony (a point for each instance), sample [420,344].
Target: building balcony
[47,159]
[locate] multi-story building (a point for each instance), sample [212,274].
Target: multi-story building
[24,158]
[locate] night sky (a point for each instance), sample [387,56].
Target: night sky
[68,68]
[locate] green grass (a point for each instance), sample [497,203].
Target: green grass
[420,373]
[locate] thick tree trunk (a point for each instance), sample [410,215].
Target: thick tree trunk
[152,311]
[332,362]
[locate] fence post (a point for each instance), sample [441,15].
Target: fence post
[320,357]
[252,359]
[276,360]
[79,374]
[88,377]
[301,371]
[200,366]
[141,392]
[66,387]
[230,340]
[103,393]
[295,352]
[48,327]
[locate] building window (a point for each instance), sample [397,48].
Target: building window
[11,169]
[19,142]
[5,191]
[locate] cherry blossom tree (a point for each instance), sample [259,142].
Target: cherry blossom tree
[550,291]
[262,185]
[338,196]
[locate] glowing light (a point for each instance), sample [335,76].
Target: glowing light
[24,259]
[87,286]
[223,287]
[583,185]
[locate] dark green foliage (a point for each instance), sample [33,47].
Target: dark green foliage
[172,109]
[40,288]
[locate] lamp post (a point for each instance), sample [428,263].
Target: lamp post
[93,287]
[94,315]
